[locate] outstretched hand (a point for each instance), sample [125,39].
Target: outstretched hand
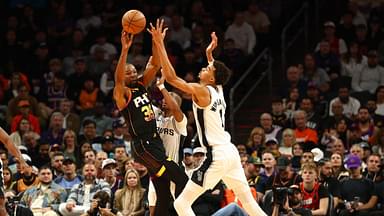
[213,43]
[126,40]
[158,32]
[161,80]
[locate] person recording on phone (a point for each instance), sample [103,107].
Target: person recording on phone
[287,201]
[358,193]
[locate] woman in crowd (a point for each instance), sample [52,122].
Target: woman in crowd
[256,141]
[353,61]
[338,168]
[8,180]
[129,199]
[289,139]
[23,127]
[69,145]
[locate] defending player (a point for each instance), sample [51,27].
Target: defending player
[133,102]
[172,128]
[222,158]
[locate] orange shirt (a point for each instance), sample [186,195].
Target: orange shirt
[306,135]
[88,100]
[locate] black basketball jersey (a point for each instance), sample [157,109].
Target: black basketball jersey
[139,114]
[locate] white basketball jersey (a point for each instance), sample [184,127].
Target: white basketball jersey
[210,120]
[172,133]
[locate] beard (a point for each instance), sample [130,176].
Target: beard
[89,178]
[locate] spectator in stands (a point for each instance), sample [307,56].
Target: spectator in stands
[97,63]
[119,153]
[359,192]
[8,178]
[71,120]
[89,132]
[365,125]
[279,118]
[294,81]
[102,121]
[129,199]
[270,130]
[179,33]
[361,38]
[287,142]
[328,61]
[99,158]
[315,75]
[76,80]
[374,171]
[379,96]
[24,127]
[88,22]
[315,195]
[89,156]
[27,179]
[313,118]
[56,92]
[353,61]
[370,76]
[13,91]
[107,80]
[269,163]
[337,45]
[284,175]
[70,145]
[337,111]
[55,68]
[256,142]
[257,19]
[42,158]
[242,33]
[57,164]
[350,104]
[44,198]
[102,44]
[60,25]
[375,33]
[302,132]
[339,171]
[88,97]
[80,197]
[24,109]
[346,29]
[297,153]
[358,17]
[109,166]
[328,181]
[55,132]
[69,178]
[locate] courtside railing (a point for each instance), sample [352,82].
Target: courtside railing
[266,74]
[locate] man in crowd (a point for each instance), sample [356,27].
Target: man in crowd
[80,197]
[373,171]
[69,178]
[44,198]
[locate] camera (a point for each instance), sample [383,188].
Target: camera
[280,195]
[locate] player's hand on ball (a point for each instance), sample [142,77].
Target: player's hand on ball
[126,40]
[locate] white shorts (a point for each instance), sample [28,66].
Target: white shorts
[224,165]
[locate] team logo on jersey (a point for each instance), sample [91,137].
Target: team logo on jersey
[166,131]
[141,100]
[217,103]
[199,175]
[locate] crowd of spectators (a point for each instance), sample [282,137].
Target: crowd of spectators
[56,83]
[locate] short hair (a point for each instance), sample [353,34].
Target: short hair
[222,72]
[45,167]
[58,154]
[88,122]
[176,97]
[309,166]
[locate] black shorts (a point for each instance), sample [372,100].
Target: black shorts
[149,152]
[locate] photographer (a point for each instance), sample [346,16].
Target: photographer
[287,201]
[100,205]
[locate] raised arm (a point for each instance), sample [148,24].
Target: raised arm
[152,67]
[172,105]
[118,91]
[211,47]
[11,147]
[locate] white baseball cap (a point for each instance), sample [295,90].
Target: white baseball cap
[199,150]
[107,162]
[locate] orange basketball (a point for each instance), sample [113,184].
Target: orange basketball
[133,21]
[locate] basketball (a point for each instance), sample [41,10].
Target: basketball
[133,21]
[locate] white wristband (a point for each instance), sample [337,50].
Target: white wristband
[161,87]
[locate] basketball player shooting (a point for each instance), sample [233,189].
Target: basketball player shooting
[134,104]
[11,147]
[222,158]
